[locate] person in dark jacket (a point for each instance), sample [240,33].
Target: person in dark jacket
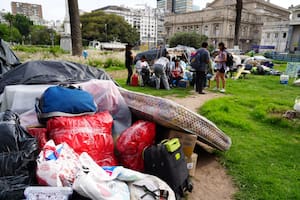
[201,69]
[128,62]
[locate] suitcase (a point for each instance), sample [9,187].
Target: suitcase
[166,160]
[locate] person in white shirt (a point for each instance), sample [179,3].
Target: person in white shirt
[142,69]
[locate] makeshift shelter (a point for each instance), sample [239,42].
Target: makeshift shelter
[20,86]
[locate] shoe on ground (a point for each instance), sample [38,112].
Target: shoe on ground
[223,90]
[215,89]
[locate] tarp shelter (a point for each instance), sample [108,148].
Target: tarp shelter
[7,57]
[51,72]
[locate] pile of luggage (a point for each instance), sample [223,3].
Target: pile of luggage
[73,149]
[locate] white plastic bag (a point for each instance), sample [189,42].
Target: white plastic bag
[297,104]
[94,182]
[57,165]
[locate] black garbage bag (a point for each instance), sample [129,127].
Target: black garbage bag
[18,153]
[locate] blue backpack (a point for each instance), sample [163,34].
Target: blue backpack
[64,101]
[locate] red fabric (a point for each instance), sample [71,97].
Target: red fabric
[135,80]
[40,134]
[88,133]
[132,142]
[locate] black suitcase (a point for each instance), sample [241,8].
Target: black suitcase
[166,161]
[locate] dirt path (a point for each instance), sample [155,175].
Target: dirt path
[210,181]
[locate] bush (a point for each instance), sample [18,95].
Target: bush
[188,39]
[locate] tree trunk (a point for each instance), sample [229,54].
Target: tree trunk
[238,17]
[75,27]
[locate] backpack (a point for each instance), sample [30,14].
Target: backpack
[229,61]
[195,60]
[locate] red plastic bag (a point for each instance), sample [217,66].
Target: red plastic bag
[132,142]
[87,133]
[40,134]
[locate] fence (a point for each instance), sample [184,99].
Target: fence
[283,57]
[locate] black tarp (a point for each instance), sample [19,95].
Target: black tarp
[18,153]
[151,55]
[51,72]
[8,58]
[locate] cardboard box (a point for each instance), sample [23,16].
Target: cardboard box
[188,141]
[191,163]
[183,83]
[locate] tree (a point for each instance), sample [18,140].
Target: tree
[107,27]
[75,27]
[42,35]
[9,18]
[10,34]
[191,39]
[23,24]
[238,17]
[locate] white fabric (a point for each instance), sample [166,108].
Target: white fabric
[21,98]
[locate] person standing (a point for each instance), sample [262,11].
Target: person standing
[221,59]
[160,67]
[142,69]
[128,62]
[202,67]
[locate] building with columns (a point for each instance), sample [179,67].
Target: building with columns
[284,36]
[293,44]
[274,36]
[217,21]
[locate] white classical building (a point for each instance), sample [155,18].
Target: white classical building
[283,36]
[217,21]
[294,31]
[274,36]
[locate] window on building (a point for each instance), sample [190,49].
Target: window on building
[268,35]
[217,29]
[206,30]
[298,15]
[284,35]
[230,30]
[276,35]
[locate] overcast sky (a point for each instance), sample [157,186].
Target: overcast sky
[55,9]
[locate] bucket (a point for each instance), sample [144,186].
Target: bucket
[284,79]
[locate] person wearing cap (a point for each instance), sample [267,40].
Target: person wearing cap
[128,62]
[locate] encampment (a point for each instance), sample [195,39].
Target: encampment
[81,138]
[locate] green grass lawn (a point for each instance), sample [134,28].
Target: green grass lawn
[264,159]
